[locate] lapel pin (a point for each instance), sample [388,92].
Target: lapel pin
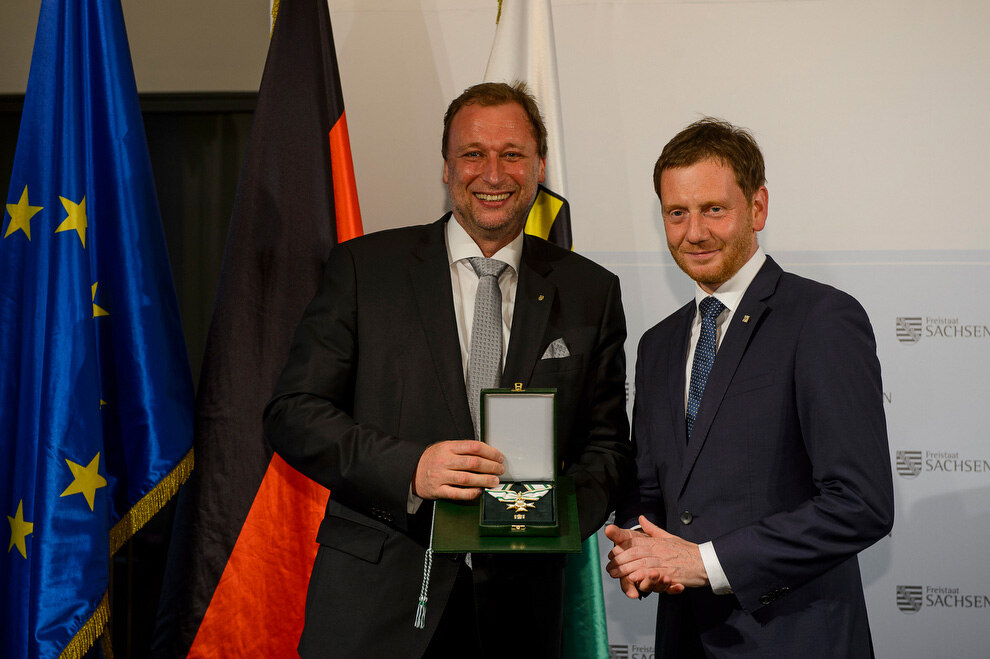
[540,298]
[746,318]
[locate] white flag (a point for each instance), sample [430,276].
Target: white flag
[524,50]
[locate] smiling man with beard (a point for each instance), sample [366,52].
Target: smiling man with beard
[379,400]
[758,425]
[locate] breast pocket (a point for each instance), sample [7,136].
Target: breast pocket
[559,365]
[750,384]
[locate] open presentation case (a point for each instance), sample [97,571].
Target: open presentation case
[533,509]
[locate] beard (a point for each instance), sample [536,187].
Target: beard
[732,256]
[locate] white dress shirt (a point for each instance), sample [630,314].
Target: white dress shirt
[464,286]
[729,294]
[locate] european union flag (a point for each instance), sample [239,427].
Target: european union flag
[95,390]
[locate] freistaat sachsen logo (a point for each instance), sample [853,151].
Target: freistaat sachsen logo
[618,652]
[909,598]
[631,652]
[909,329]
[911,464]
[908,463]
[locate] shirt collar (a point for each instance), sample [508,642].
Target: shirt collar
[731,292]
[461,246]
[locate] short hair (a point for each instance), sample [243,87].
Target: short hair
[498,93]
[715,139]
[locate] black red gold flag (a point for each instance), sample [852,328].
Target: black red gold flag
[243,543]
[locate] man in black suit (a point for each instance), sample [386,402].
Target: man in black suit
[373,402]
[759,431]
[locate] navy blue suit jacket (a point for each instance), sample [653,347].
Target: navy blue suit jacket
[787,470]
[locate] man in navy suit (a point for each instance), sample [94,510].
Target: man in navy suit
[761,444]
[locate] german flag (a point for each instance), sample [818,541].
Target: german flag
[243,542]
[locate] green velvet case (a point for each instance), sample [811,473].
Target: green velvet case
[456,529]
[532,510]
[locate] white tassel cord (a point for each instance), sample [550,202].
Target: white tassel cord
[420,622]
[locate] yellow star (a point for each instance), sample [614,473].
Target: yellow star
[19,530]
[86,480]
[21,214]
[97,310]
[76,218]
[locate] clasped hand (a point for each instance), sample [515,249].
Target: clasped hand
[652,560]
[457,469]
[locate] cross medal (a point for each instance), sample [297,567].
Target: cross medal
[521,502]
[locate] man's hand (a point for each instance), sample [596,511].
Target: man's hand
[618,536]
[655,582]
[653,560]
[457,469]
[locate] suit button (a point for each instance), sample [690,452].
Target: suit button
[686,517]
[765,599]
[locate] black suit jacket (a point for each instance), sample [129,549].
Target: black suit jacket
[375,375]
[787,470]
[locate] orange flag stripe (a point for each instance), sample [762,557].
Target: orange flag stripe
[345,197]
[288,507]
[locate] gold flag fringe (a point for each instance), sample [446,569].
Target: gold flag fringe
[85,637]
[122,531]
[150,503]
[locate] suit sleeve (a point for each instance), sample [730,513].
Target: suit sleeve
[309,418]
[603,464]
[839,408]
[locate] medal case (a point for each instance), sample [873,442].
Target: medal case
[521,424]
[534,509]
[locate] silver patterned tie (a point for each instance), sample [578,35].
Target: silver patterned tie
[485,361]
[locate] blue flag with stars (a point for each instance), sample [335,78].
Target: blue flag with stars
[95,389]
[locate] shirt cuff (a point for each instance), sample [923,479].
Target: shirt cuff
[716,575]
[413,502]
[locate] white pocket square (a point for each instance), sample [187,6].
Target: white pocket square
[556,350]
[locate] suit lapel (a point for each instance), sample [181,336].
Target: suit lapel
[429,272]
[737,338]
[676,372]
[534,298]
